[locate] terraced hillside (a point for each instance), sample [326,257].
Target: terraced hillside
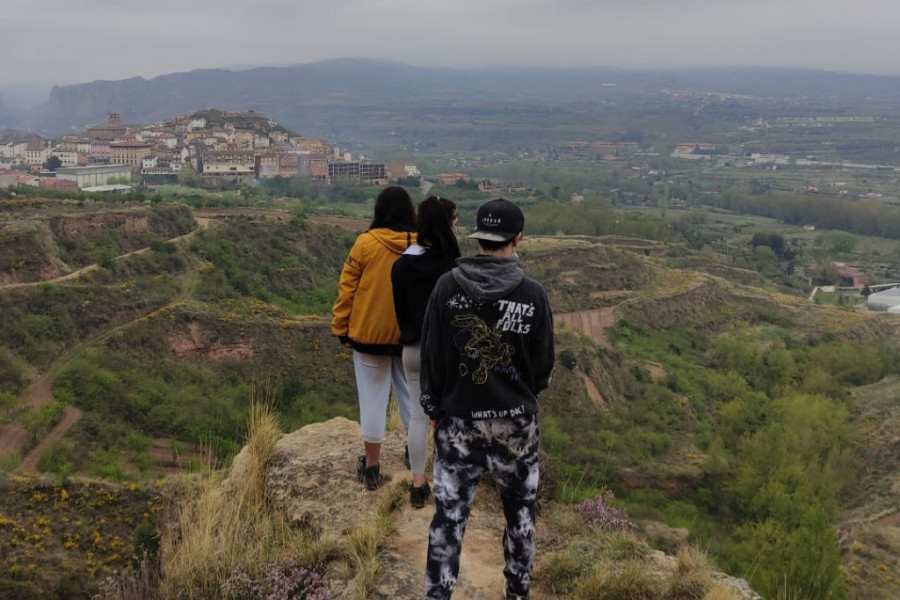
[135,338]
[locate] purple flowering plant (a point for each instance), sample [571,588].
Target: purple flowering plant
[285,579]
[601,513]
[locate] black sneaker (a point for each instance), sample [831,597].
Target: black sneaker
[508,595]
[373,477]
[418,495]
[406,458]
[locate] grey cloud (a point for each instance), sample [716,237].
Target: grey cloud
[65,41]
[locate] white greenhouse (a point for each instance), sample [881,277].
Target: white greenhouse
[886,300]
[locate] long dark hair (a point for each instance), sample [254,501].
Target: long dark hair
[434,226]
[393,208]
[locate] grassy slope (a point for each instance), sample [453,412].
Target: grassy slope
[233,299]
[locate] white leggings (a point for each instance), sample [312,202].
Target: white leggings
[417,435]
[375,374]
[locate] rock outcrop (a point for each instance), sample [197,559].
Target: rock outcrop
[311,480]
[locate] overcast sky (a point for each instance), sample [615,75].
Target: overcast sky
[66,41]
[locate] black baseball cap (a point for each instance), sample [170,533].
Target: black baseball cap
[498,221]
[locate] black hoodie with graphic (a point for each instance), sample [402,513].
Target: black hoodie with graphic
[487,342]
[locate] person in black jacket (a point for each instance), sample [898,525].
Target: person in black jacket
[487,351]
[413,277]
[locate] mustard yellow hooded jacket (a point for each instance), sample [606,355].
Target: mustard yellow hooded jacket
[364,309]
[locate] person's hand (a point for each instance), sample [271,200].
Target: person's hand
[344,340]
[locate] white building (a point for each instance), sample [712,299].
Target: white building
[8,149]
[66,158]
[169,141]
[37,152]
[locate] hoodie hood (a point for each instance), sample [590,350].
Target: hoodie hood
[394,241]
[425,265]
[487,278]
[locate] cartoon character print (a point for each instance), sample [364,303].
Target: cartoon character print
[482,343]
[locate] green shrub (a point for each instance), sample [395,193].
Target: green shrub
[147,538]
[62,458]
[107,463]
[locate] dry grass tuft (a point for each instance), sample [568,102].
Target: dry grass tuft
[630,580]
[318,551]
[200,546]
[565,520]
[721,592]
[394,497]
[693,576]
[596,583]
[363,543]
[362,549]
[217,529]
[139,583]
[625,545]
[591,564]
[561,571]
[263,433]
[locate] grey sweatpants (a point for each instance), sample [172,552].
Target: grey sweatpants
[419,423]
[463,450]
[376,375]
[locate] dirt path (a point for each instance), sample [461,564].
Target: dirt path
[70,416]
[13,436]
[889,521]
[81,271]
[656,371]
[202,223]
[481,562]
[593,393]
[265,213]
[61,278]
[348,223]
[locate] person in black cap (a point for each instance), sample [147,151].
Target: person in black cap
[487,351]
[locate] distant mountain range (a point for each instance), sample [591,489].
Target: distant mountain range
[348,97]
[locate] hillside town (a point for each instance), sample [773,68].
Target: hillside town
[220,148]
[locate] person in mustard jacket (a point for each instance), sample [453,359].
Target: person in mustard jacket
[364,320]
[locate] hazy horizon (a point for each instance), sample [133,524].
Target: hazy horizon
[67,43]
[29,93]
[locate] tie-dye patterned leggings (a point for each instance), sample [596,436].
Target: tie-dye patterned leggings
[463,450]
